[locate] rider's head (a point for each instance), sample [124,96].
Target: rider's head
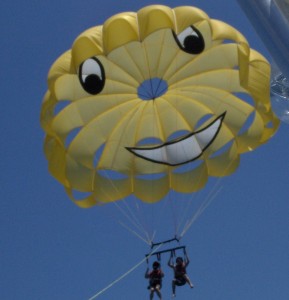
[156,265]
[179,260]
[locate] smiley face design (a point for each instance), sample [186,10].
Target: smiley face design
[151,101]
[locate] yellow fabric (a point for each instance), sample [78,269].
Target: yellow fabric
[134,47]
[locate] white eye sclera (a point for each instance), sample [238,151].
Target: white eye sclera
[91,76]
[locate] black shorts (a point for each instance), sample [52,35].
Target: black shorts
[179,281]
[154,284]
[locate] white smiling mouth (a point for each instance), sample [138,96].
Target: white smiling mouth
[183,150]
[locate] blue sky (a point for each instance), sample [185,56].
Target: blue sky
[51,249]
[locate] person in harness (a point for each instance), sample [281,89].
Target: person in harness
[155,280]
[180,272]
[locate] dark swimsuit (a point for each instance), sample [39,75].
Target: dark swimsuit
[180,271]
[155,278]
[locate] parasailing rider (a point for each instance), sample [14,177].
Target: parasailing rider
[180,272]
[155,280]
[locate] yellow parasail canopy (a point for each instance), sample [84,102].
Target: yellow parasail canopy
[154,101]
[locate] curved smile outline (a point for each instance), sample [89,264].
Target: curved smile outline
[184,150]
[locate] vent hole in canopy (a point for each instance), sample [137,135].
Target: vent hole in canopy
[61,105]
[71,136]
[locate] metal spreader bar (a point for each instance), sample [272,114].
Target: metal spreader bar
[171,250]
[165,242]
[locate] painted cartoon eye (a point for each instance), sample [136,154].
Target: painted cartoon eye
[190,40]
[91,76]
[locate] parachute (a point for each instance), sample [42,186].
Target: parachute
[270,19]
[151,102]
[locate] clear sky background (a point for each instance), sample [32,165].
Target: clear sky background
[51,249]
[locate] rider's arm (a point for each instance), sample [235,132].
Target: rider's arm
[187,260]
[147,274]
[170,263]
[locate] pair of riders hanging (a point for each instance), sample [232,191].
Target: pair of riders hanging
[156,275]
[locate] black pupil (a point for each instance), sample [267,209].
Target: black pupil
[93,84]
[194,44]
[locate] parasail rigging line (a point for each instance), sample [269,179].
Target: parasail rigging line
[211,196]
[194,198]
[201,209]
[137,225]
[129,214]
[125,274]
[133,232]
